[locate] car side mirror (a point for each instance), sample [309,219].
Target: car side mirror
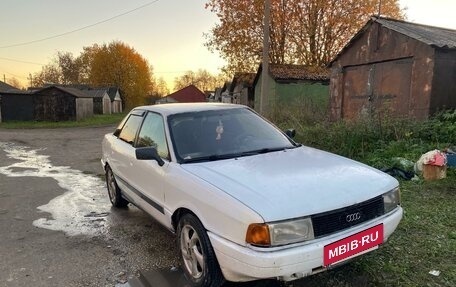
[290,133]
[149,153]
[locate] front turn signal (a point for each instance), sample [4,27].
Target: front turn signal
[258,234]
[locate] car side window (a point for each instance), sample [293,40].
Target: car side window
[128,132]
[152,134]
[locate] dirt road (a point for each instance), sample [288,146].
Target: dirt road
[83,242]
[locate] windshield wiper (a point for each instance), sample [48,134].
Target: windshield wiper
[264,150]
[212,157]
[261,151]
[215,157]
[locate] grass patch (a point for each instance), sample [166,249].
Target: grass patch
[96,120]
[425,240]
[376,140]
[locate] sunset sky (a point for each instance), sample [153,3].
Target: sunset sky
[168,33]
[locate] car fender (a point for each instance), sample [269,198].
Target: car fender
[219,212]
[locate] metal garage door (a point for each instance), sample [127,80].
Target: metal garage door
[377,87]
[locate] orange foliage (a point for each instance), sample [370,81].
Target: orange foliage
[309,32]
[120,65]
[202,79]
[113,64]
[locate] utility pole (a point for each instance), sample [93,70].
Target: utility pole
[4,78]
[30,76]
[264,97]
[377,42]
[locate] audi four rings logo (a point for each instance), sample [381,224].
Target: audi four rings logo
[353,217]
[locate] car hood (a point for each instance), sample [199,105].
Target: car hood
[295,182]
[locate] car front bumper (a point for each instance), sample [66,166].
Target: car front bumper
[240,263]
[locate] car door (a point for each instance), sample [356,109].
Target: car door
[123,154]
[148,176]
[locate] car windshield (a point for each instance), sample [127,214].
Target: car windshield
[221,134]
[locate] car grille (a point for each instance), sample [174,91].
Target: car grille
[340,219]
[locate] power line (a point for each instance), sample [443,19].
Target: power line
[79,29]
[20,61]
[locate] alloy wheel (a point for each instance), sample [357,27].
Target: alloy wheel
[111,186]
[192,251]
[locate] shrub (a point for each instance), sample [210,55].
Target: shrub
[375,140]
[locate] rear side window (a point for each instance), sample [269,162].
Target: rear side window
[128,132]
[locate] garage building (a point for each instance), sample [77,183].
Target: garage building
[56,103]
[405,69]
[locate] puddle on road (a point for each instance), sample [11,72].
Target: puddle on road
[81,210]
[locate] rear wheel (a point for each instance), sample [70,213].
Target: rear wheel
[199,262]
[115,195]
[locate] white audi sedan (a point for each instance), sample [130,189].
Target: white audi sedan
[245,200]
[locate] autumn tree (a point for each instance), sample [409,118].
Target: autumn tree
[49,74]
[159,87]
[14,82]
[84,62]
[120,65]
[202,79]
[64,69]
[309,32]
[69,68]
[113,64]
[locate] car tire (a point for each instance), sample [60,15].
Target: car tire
[115,195]
[198,258]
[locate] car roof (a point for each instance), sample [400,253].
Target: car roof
[178,108]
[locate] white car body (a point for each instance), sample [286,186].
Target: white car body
[228,195]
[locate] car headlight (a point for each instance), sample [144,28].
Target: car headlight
[391,200]
[280,233]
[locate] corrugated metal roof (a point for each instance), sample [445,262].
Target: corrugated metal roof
[298,72]
[96,93]
[4,87]
[430,35]
[75,92]
[433,36]
[72,91]
[245,78]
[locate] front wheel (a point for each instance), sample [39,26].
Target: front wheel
[199,262]
[115,195]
